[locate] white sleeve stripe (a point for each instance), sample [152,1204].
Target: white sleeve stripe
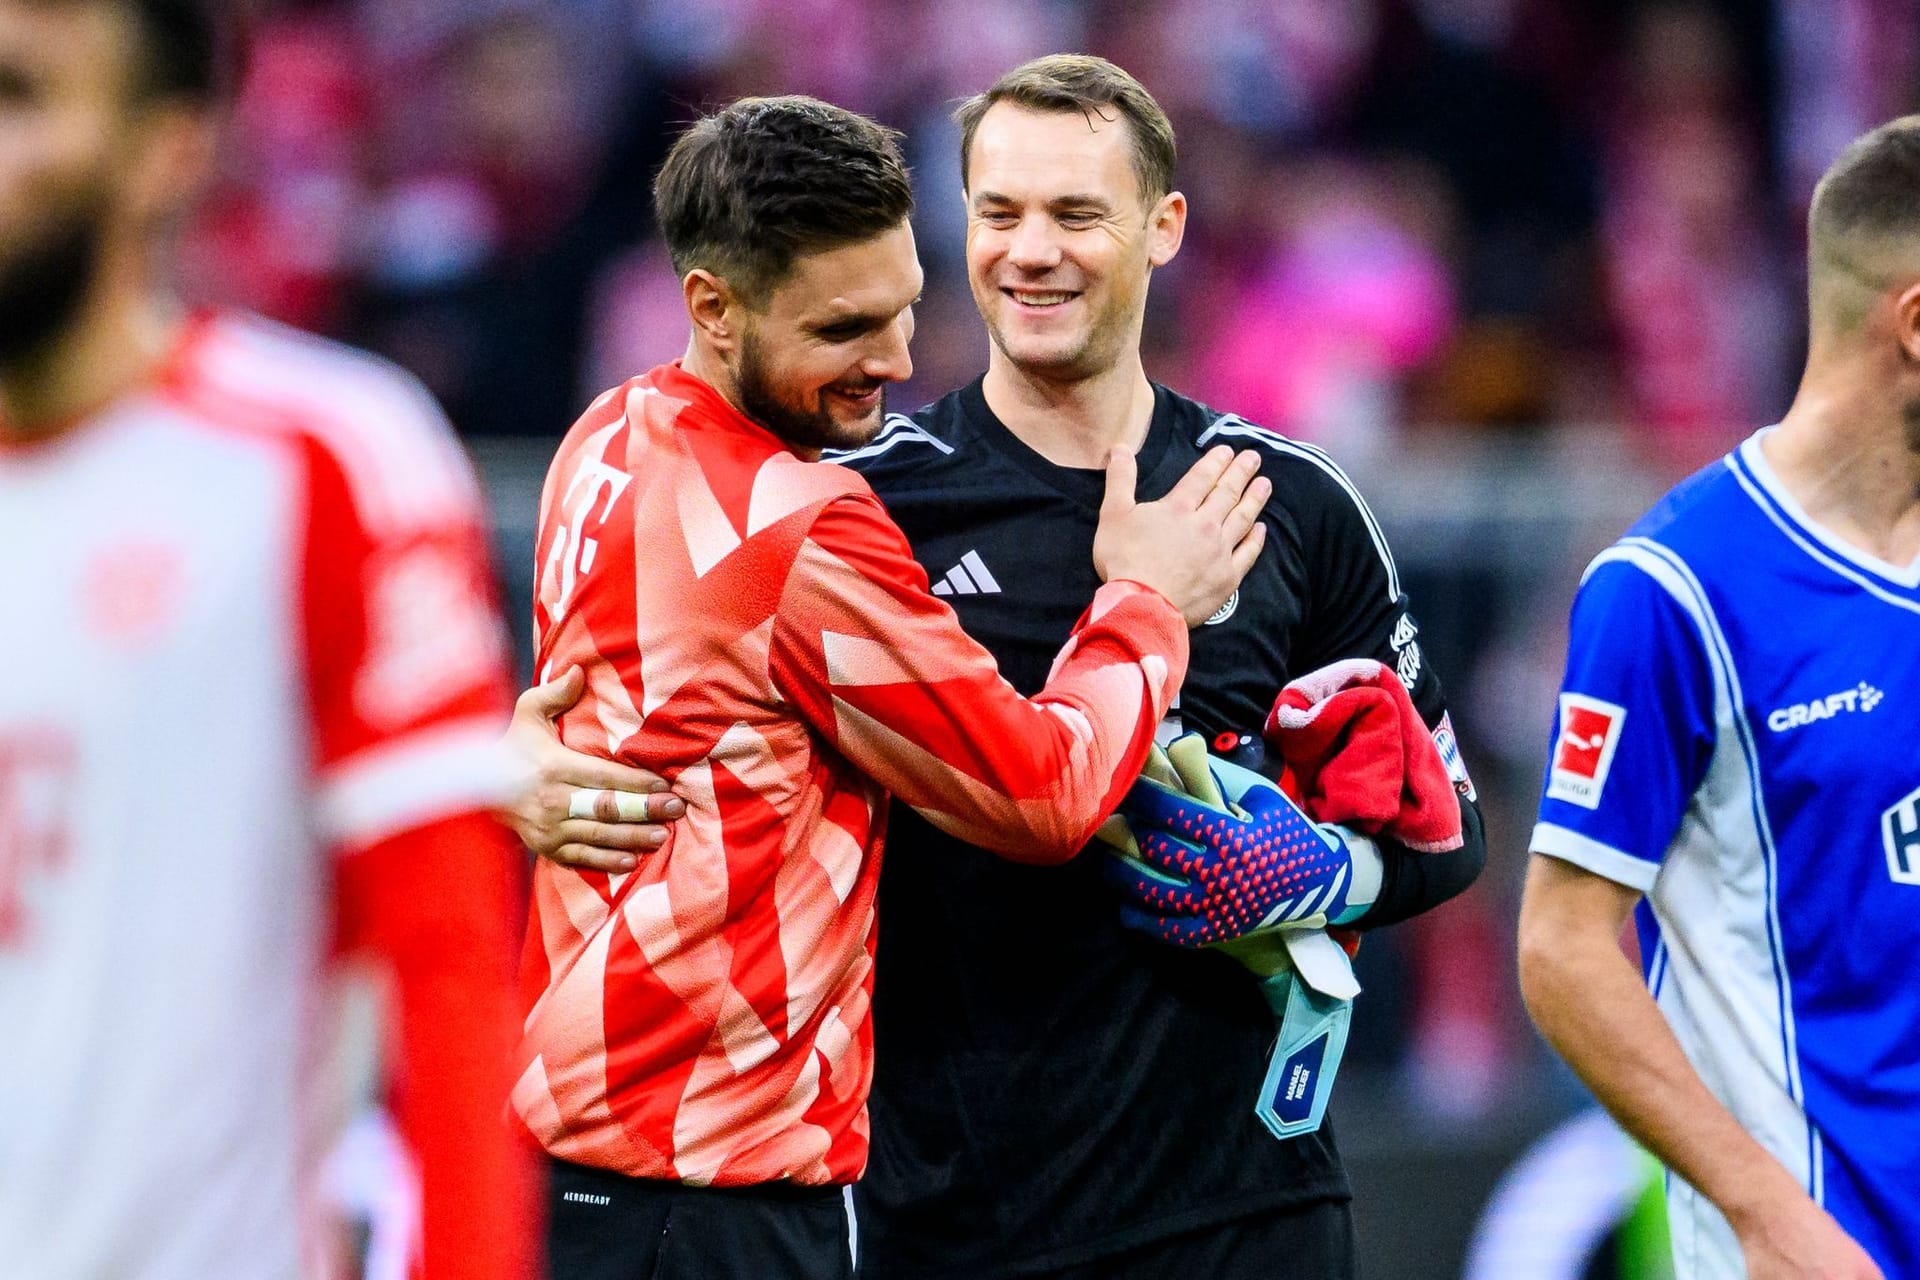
[431,774]
[1230,424]
[404,466]
[899,429]
[1603,860]
[1666,567]
[1671,575]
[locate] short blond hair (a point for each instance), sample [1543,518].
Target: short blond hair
[1863,227]
[1873,188]
[1082,83]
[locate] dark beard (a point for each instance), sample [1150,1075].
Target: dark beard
[800,426]
[43,284]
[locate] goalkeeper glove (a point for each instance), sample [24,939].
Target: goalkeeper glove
[1305,976]
[1212,853]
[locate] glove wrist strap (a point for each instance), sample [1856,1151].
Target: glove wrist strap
[1369,870]
[1306,1054]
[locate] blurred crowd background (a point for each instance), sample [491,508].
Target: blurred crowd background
[1491,213]
[1518,264]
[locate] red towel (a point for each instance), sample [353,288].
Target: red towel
[1360,755]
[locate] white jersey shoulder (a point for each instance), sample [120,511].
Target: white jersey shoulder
[402,463]
[898,430]
[1231,428]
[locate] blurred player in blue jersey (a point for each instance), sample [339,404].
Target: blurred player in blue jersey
[1735,754]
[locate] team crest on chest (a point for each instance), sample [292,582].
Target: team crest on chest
[132,592]
[1900,832]
[1225,611]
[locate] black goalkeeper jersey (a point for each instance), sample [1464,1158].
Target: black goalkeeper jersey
[1050,1087]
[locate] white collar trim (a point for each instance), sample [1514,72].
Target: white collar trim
[1763,473]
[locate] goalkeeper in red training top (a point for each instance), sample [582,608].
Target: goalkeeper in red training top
[753,625]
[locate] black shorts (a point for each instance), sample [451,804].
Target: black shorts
[1311,1242]
[605,1226]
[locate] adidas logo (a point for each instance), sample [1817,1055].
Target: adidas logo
[968,578]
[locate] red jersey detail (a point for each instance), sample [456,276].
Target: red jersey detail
[232,568]
[37,806]
[438,903]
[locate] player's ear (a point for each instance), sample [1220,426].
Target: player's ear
[713,309]
[1166,227]
[1906,320]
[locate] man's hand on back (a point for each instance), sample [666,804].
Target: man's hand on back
[1192,546]
[581,811]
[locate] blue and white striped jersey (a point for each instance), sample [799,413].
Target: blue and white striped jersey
[1735,739]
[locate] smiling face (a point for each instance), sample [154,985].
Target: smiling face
[813,363]
[1060,240]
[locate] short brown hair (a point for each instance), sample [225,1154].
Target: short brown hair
[1086,84]
[747,191]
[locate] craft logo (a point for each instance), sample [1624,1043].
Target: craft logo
[1862,697]
[1583,753]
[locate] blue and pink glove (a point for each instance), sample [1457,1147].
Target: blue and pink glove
[1209,853]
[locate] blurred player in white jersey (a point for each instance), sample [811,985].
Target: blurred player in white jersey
[1735,755]
[250,675]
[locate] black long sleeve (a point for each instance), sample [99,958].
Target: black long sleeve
[1415,882]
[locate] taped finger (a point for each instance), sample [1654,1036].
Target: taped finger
[610,806]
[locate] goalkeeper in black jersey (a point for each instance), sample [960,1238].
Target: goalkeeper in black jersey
[1053,1094]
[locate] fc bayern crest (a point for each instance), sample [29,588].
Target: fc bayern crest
[1225,611]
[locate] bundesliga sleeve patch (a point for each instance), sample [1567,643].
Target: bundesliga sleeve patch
[1583,752]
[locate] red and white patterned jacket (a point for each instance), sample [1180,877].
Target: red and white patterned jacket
[754,628]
